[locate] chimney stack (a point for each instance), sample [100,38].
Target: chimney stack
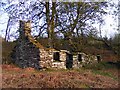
[25,28]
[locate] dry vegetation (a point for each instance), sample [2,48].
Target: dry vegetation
[14,77]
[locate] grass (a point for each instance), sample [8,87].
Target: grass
[102,67]
[104,74]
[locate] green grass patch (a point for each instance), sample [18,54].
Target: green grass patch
[53,70]
[84,86]
[108,74]
[102,66]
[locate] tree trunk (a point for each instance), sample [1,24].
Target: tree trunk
[53,24]
[50,23]
[6,34]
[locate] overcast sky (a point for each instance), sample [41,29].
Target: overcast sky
[109,29]
[111,25]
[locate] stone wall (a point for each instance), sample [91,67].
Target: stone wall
[75,61]
[25,53]
[63,55]
[61,63]
[66,61]
[58,65]
[46,57]
[83,60]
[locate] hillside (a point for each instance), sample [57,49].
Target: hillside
[14,77]
[7,48]
[101,75]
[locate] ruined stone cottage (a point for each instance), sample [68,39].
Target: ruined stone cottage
[28,52]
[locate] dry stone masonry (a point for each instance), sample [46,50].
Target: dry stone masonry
[30,53]
[26,53]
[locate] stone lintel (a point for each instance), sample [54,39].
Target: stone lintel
[66,51]
[81,53]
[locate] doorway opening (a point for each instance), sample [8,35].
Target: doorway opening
[98,58]
[79,57]
[69,60]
